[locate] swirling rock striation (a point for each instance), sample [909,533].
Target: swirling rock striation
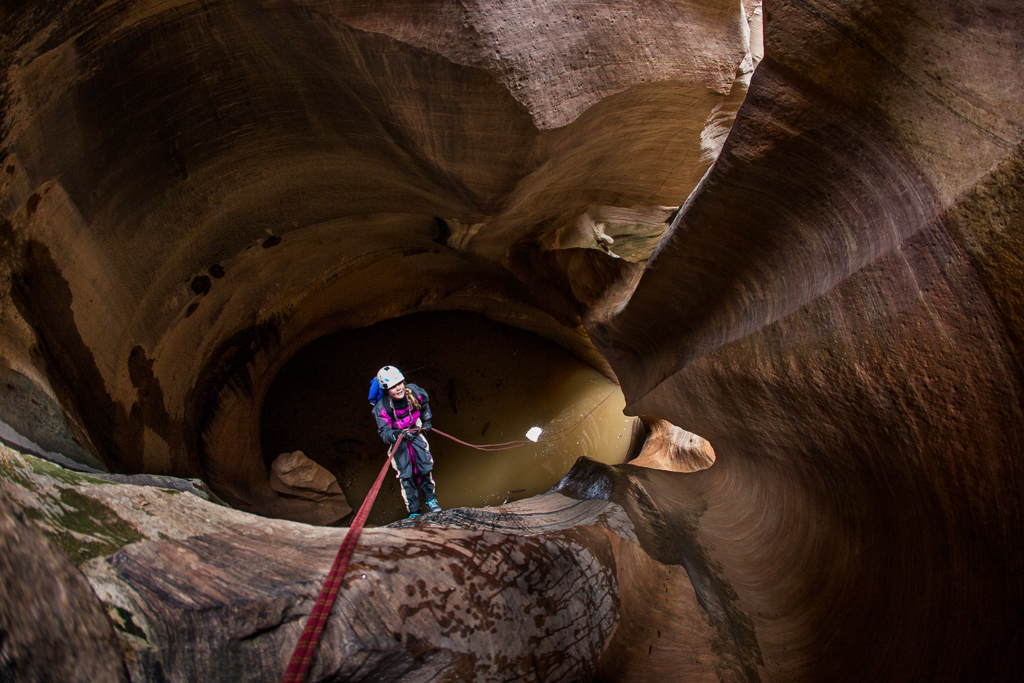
[191,192]
[535,589]
[846,344]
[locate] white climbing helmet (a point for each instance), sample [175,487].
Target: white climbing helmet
[389,376]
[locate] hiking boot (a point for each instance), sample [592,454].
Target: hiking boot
[433,505]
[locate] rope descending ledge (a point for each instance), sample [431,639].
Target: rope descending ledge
[305,649]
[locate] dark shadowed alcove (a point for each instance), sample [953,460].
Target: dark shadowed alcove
[488,383]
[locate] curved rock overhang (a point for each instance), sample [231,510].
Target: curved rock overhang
[195,191]
[192,192]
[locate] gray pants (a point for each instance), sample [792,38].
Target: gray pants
[413,463]
[411,495]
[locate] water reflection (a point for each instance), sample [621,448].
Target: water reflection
[481,478]
[488,383]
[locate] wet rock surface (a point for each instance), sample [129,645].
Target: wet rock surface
[201,592]
[190,193]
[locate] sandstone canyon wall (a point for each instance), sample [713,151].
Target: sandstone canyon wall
[192,192]
[848,343]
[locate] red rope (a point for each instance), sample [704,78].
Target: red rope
[305,650]
[508,445]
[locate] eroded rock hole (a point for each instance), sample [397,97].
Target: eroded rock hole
[488,383]
[658,444]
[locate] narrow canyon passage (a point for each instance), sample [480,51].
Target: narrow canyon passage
[793,227]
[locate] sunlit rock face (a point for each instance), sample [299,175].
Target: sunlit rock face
[192,192]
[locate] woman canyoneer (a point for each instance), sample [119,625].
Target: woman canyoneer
[403,407]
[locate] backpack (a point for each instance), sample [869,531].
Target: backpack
[375,392]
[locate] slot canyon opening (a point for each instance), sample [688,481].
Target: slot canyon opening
[488,383]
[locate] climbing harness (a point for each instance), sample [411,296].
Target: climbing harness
[305,650]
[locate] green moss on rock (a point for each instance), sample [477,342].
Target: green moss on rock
[87,528]
[123,622]
[58,473]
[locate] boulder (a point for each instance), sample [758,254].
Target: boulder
[293,474]
[308,491]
